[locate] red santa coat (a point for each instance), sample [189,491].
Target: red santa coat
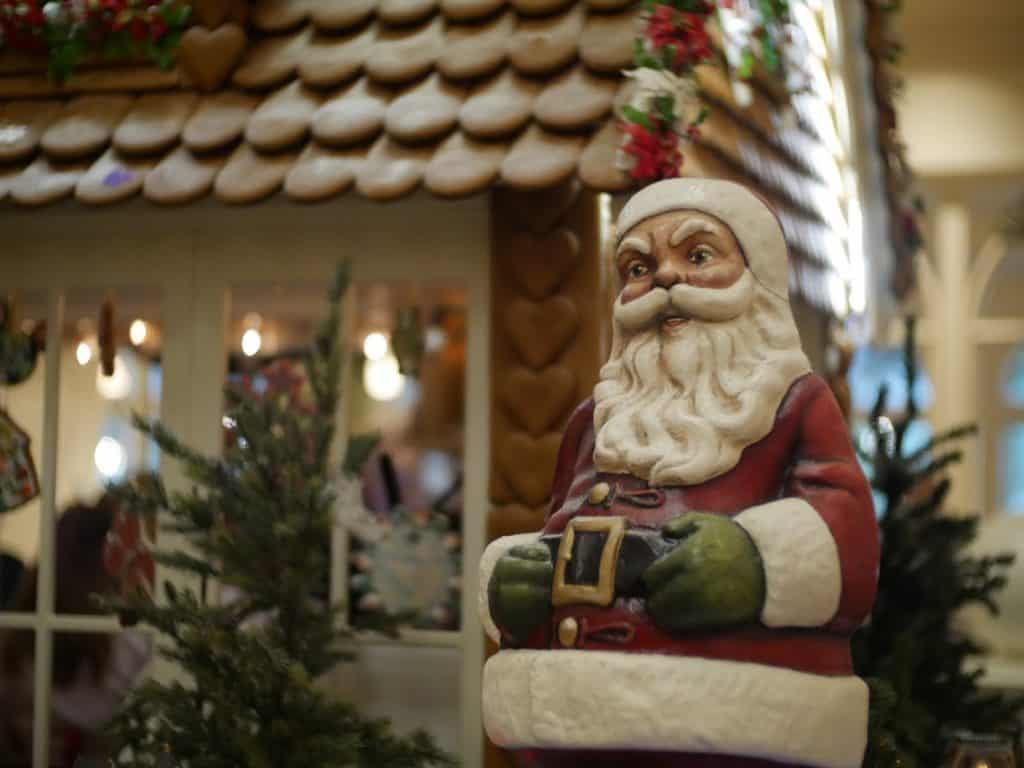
[782,689]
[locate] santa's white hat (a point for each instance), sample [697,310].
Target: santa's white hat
[754,224]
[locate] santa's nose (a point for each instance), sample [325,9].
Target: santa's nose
[666,276]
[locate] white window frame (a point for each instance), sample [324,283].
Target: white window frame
[193,256]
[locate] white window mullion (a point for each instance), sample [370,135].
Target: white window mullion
[47,526]
[476,504]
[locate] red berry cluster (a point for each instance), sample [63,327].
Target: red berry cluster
[678,38]
[655,152]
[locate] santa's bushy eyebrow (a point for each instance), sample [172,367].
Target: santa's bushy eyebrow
[692,226]
[634,243]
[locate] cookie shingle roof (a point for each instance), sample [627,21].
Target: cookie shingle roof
[316,97]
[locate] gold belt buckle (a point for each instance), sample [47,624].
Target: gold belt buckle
[602,593]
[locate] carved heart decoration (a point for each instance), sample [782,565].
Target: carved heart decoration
[514,518]
[239,12]
[540,210]
[528,465]
[542,262]
[209,56]
[498,489]
[211,13]
[538,401]
[539,331]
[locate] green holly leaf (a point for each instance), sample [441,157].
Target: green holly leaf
[166,49]
[65,55]
[668,55]
[641,58]
[634,115]
[665,106]
[769,53]
[639,54]
[175,14]
[746,65]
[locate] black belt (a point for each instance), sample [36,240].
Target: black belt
[597,560]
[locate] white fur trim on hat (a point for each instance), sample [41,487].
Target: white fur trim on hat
[621,701]
[752,222]
[803,582]
[488,560]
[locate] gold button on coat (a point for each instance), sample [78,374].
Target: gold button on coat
[568,631]
[599,493]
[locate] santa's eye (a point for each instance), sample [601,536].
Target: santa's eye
[636,270]
[701,255]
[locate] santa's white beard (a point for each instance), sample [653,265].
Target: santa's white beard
[677,407]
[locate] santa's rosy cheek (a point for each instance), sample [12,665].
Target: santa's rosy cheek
[717,276]
[634,290]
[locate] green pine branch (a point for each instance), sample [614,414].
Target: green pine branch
[911,652]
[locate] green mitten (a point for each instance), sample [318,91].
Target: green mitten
[714,577]
[519,592]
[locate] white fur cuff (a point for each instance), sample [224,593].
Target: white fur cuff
[605,700]
[488,560]
[801,563]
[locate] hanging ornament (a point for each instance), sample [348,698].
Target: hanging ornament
[19,351]
[107,345]
[411,571]
[407,340]
[19,483]
[127,554]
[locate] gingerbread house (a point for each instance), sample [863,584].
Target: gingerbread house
[463,140]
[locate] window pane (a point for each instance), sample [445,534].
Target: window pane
[1013,379]
[92,675]
[1011,463]
[22,382]
[414,687]
[873,367]
[110,368]
[16,682]
[407,384]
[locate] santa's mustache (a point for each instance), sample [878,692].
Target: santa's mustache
[688,302]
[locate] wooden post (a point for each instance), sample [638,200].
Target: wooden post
[549,307]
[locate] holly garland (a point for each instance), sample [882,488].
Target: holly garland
[68,31]
[664,112]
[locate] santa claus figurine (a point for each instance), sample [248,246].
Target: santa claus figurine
[711,543]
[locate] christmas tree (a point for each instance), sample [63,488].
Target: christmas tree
[255,523]
[912,652]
